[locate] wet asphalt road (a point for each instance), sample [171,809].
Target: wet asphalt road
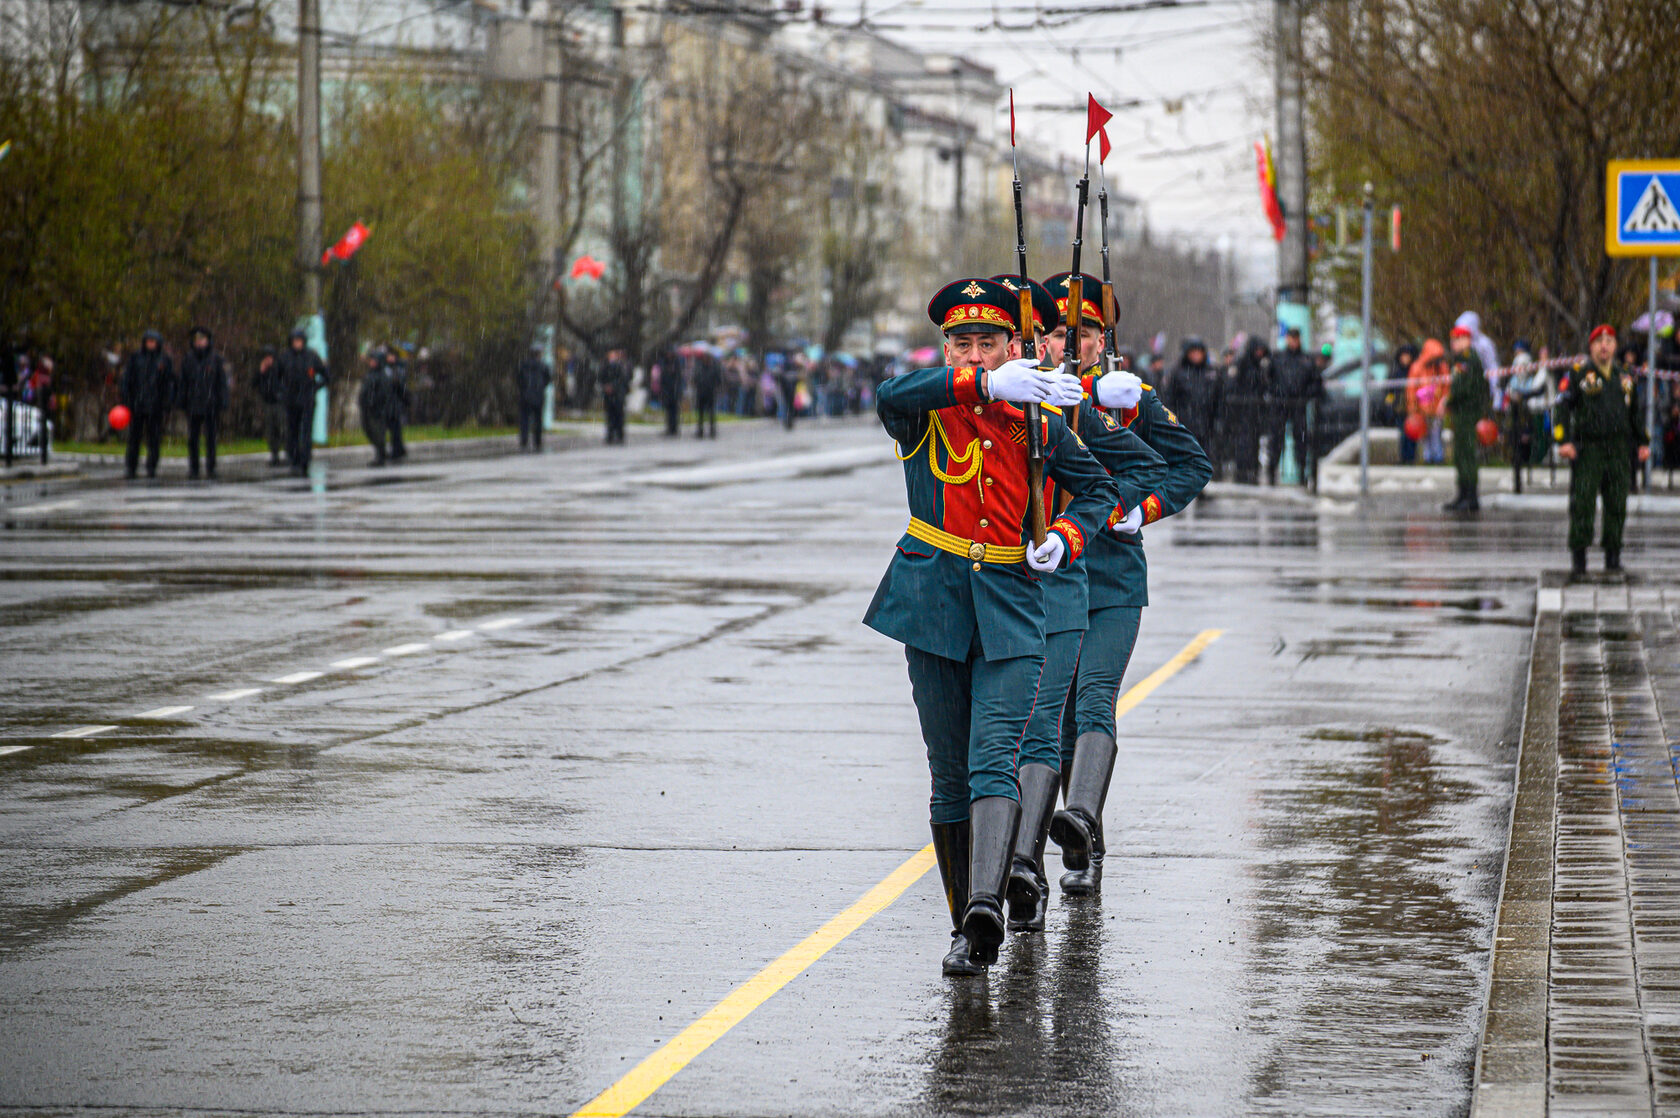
[489,869]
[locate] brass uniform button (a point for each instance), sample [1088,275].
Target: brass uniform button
[987,445]
[976,566]
[983,522]
[978,409]
[977,551]
[988,481]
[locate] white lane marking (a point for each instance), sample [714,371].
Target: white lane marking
[1548,600]
[500,623]
[788,465]
[451,635]
[354,662]
[298,677]
[5,749]
[229,696]
[405,650]
[53,506]
[163,712]
[83,731]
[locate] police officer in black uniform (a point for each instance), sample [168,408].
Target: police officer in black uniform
[1195,391]
[708,374]
[148,392]
[1296,382]
[371,401]
[1245,402]
[615,391]
[531,382]
[204,395]
[302,374]
[396,401]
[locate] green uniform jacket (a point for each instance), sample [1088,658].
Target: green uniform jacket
[1140,471]
[1468,397]
[965,474]
[1115,566]
[1595,407]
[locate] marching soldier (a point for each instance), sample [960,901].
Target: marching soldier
[1118,578]
[1599,421]
[963,593]
[1138,470]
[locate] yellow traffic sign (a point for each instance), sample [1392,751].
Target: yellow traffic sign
[1642,207]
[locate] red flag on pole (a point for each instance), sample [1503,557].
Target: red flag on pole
[1012,117]
[1096,118]
[587,267]
[1103,146]
[347,245]
[1394,230]
[1267,172]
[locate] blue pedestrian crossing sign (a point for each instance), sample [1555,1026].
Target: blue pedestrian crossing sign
[1642,207]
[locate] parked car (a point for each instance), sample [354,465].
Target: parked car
[28,428]
[1339,414]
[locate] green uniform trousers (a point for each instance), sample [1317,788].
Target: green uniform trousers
[1043,744]
[1102,666]
[1465,452]
[1599,468]
[974,714]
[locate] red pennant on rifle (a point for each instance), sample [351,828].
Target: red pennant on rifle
[1012,118]
[1096,118]
[347,245]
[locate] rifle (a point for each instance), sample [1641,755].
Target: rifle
[1109,309]
[1029,348]
[1075,303]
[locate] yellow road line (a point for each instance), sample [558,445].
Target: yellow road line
[678,1052]
[1160,675]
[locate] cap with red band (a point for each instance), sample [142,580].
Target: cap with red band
[1461,332]
[1600,331]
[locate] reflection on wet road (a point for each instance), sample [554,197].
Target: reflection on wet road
[493,872]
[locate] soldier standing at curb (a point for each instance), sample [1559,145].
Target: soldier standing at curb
[1598,423]
[1468,403]
[963,591]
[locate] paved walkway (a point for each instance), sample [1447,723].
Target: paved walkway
[1584,1004]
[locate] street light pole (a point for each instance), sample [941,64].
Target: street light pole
[1365,353]
[309,152]
[1651,439]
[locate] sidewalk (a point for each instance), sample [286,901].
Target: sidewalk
[1583,1010]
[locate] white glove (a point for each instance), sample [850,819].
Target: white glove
[1119,390]
[1047,556]
[1132,521]
[1021,381]
[1067,391]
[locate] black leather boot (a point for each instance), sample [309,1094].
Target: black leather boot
[1082,883]
[1075,828]
[1612,558]
[1578,564]
[992,822]
[950,847]
[1456,504]
[1029,889]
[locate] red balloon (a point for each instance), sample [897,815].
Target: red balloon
[119,418]
[1416,428]
[1487,431]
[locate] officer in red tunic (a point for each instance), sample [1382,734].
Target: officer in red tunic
[963,592]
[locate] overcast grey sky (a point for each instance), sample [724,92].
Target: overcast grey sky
[1205,88]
